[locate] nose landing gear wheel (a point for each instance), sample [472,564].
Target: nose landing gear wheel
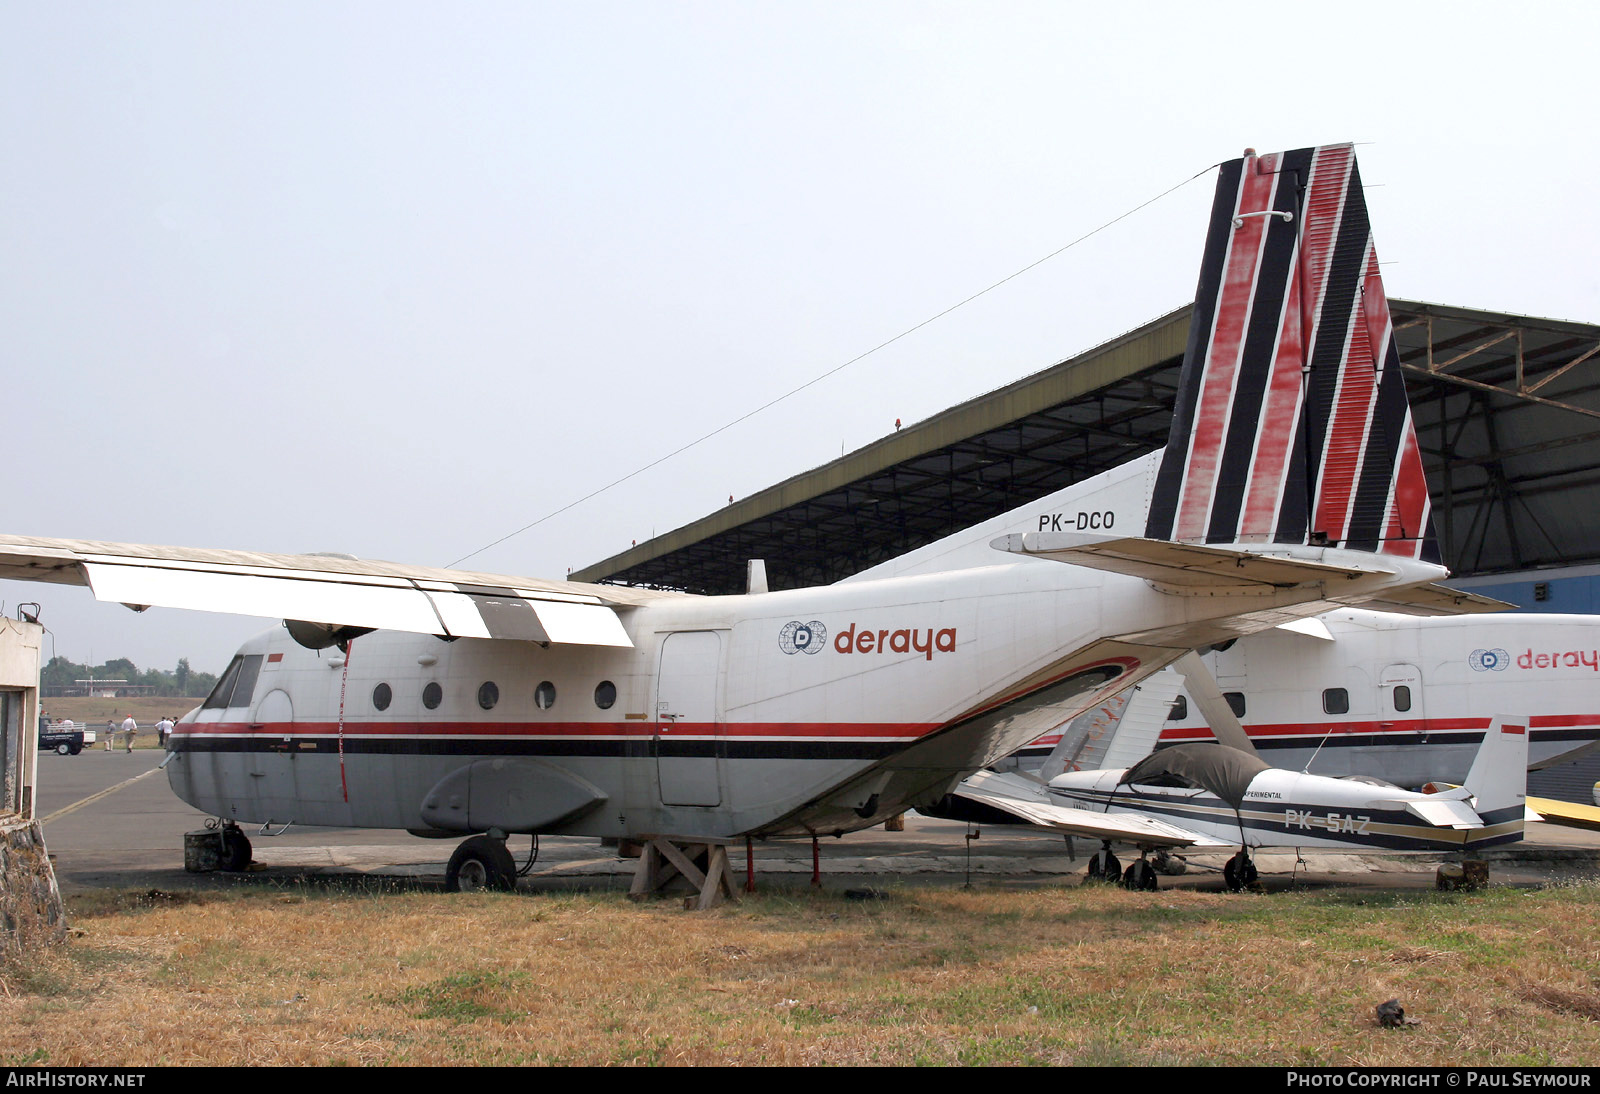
[481,862]
[235,850]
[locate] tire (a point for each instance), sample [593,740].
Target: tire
[1239,872]
[1103,866]
[1141,876]
[63,749]
[235,854]
[481,863]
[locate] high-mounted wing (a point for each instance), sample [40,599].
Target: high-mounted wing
[326,589]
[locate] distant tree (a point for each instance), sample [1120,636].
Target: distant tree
[200,683]
[180,676]
[60,673]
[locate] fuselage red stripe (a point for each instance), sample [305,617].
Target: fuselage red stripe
[837,730]
[1375,726]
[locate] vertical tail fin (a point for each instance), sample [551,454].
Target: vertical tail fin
[1292,424]
[1499,775]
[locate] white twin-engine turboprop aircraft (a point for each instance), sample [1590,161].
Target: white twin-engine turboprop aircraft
[1291,484]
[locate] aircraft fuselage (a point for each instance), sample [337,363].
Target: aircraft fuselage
[814,710]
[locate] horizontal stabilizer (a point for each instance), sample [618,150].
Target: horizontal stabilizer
[1435,599]
[1445,813]
[1182,567]
[328,589]
[1028,801]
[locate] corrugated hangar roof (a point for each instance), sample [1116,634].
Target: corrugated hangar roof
[1507,410]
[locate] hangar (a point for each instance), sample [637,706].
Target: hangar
[1507,410]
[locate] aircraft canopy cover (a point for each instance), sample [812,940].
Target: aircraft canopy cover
[1226,772]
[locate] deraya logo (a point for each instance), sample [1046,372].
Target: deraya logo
[926,641]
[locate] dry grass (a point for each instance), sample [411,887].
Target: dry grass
[1088,976]
[93,712]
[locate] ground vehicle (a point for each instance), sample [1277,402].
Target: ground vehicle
[68,742]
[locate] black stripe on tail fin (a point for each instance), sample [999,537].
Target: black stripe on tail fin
[1291,423]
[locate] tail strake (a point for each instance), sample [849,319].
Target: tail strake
[1291,423]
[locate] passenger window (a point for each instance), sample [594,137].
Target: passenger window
[1180,709]
[488,695]
[432,696]
[544,696]
[382,696]
[605,694]
[1402,698]
[1235,702]
[1335,701]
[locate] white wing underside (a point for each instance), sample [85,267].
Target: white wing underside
[330,590]
[1028,801]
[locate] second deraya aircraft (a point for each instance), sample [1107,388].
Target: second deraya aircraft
[453,703]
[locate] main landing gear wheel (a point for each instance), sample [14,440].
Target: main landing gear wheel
[1141,876]
[1103,866]
[481,862]
[235,854]
[1239,872]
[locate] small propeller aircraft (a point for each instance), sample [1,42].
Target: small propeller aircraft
[1215,795]
[464,704]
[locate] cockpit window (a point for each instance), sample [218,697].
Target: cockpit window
[237,684]
[219,694]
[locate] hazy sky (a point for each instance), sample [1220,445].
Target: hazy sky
[396,279]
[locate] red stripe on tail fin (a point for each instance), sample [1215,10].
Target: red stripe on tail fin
[1291,423]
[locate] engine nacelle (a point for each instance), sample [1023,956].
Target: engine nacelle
[319,636]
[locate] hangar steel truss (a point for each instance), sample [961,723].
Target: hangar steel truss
[1506,409]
